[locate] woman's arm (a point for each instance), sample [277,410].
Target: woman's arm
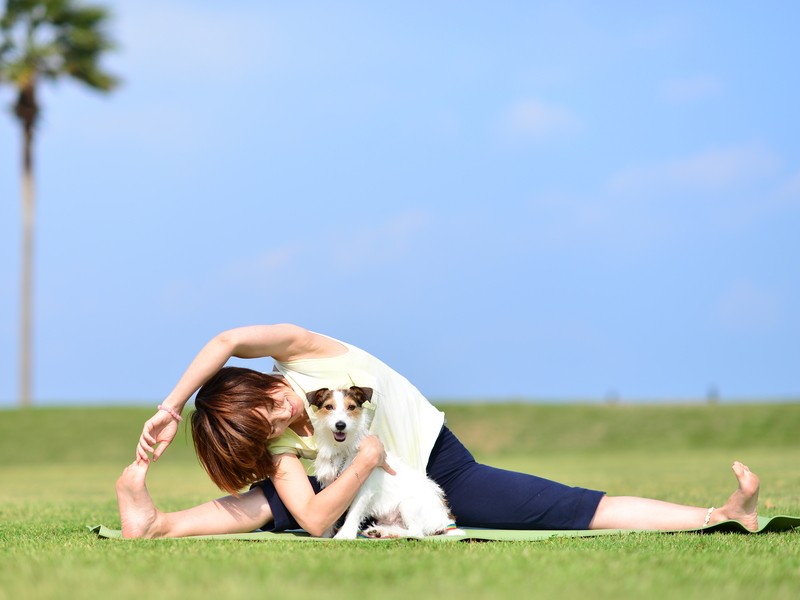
[281,342]
[316,513]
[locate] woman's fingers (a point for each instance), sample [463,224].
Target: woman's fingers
[160,450]
[141,453]
[373,444]
[148,440]
[143,449]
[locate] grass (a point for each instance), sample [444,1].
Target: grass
[58,466]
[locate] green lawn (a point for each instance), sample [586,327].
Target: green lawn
[58,466]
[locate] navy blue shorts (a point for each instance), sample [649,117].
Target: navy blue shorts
[483,496]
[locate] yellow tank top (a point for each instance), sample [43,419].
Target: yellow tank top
[303,447]
[403,419]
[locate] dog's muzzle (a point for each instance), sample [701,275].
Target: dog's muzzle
[340,434]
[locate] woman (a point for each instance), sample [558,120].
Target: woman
[252,428]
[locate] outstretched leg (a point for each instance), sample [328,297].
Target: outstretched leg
[625,512]
[141,519]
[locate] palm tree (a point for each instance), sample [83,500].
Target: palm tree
[44,40]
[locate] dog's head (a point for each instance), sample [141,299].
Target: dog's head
[338,414]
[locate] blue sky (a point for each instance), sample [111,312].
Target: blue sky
[507,199]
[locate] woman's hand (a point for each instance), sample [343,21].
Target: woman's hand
[157,434]
[373,452]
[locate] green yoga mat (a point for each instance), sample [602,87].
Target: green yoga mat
[765,525]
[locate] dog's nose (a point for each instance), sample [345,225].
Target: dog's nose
[340,425]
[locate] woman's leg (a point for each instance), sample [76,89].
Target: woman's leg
[624,512]
[141,519]
[482,496]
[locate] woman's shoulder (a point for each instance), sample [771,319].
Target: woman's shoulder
[313,346]
[302,344]
[290,442]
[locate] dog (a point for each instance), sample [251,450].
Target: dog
[407,504]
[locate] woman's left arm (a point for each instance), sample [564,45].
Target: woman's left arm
[316,513]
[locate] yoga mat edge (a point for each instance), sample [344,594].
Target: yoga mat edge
[778,523]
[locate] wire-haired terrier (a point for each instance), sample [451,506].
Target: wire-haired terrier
[407,504]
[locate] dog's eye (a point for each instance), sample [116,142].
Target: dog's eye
[328,407]
[351,407]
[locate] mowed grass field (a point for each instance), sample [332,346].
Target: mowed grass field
[58,467]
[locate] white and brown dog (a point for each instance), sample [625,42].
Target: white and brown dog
[407,504]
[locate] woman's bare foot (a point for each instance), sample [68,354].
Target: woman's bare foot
[742,506]
[140,517]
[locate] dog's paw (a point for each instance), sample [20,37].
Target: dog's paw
[346,534]
[372,533]
[380,532]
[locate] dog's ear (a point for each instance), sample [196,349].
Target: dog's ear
[362,394]
[317,397]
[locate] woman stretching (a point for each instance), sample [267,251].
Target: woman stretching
[253,429]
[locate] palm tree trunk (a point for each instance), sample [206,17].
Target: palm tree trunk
[26,289]
[27,110]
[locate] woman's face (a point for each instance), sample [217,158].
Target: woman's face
[288,407]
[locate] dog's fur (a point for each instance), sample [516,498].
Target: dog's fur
[407,504]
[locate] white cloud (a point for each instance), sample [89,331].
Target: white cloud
[666,32]
[713,169]
[279,257]
[165,128]
[176,40]
[653,205]
[621,225]
[789,192]
[690,89]
[343,251]
[367,246]
[535,119]
[746,307]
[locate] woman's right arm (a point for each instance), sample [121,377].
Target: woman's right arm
[283,342]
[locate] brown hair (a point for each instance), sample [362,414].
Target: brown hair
[230,435]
